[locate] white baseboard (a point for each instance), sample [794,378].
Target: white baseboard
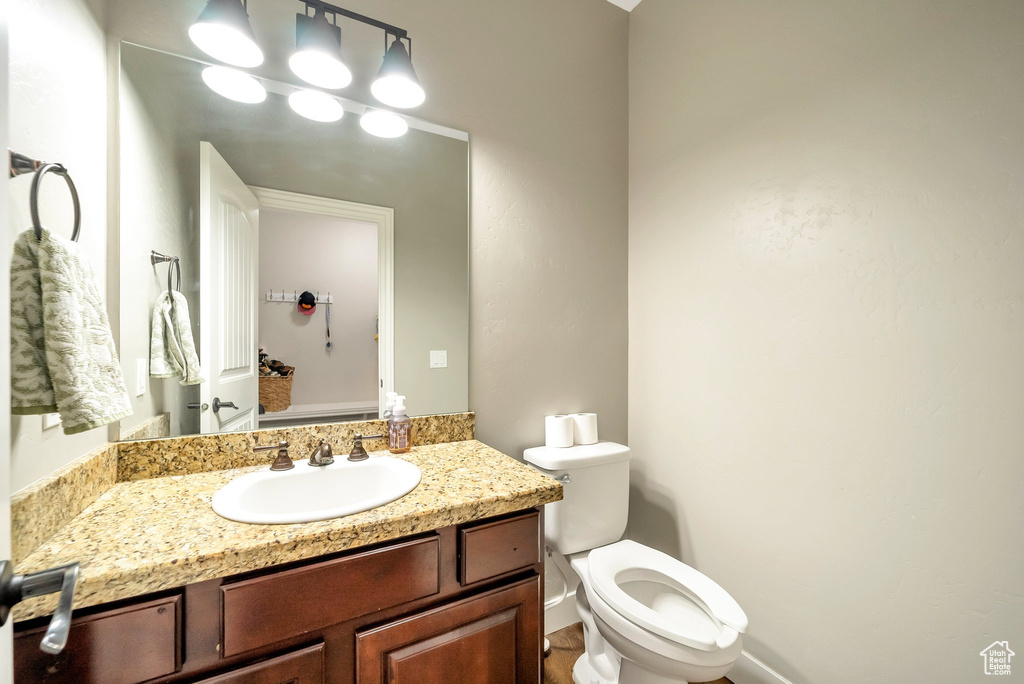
[750,670]
[562,615]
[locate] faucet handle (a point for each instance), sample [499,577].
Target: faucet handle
[283,460]
[358,452]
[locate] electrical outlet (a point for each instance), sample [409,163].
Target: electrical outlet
[141,371]
[51,420]
[439,358]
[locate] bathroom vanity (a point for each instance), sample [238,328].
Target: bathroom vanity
[443,585]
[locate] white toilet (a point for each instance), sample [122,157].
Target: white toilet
[647,617]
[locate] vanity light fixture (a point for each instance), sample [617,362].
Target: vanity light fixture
[315,105]
[317,59]
[234,84]
[383,124]
[223,31]
[396,84]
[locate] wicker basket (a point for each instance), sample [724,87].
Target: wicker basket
[276,391]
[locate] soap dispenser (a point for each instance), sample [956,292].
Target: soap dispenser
[389,404]
[399,428]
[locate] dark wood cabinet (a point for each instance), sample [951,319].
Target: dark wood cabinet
[264,610]
[121,645]
[301,667]
[488,639]
[458,605]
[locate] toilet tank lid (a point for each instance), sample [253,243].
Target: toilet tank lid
[578,456]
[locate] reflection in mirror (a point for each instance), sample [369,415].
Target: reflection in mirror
[342,255]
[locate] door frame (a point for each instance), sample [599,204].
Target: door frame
[384,219]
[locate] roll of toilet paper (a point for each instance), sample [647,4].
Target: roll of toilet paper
[558,431]
[584,428]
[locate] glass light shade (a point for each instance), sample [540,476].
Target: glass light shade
[383,124]
[234,85]
[317,59]
[315,105]
[396,84]
[223,32]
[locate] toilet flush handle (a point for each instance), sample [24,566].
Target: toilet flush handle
[564,479]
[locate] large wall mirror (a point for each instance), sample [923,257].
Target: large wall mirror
[259,205]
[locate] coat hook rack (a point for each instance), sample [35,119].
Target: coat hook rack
[293,297]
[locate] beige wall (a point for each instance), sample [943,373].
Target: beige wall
[58,112]
[827,311]
[541,87]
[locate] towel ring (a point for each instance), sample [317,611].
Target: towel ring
[176,263]
[34,198]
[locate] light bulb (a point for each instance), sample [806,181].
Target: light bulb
[383,124]
[320,69]
[315,105]
[234,85]
[398,91]
[223,32]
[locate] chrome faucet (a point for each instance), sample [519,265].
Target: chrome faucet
[323,455]
[283,460]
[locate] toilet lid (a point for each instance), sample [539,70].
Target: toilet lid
[664,595]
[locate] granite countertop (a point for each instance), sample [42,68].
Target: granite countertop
[149,535]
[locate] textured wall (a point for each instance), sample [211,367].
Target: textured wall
[57,110]
[826,285]
[541,87]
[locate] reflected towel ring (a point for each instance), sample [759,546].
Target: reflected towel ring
[176,264]
[34,198]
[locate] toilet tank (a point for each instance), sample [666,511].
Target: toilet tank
[595,502]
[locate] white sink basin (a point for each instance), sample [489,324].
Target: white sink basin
[306,494]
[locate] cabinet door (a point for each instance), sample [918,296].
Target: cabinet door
[489,639]
[300,667]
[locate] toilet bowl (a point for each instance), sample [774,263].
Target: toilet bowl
[647,618]
[651,619]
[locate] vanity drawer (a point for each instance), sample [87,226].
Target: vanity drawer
[299,667]
[128,644]
[264,610]
[490,549]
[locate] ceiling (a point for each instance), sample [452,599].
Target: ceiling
[627,5]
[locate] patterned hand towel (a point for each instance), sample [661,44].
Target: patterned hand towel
[63,357]
[172,351]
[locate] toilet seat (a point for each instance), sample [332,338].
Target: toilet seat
[692,610]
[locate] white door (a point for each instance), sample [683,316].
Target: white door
[228,254]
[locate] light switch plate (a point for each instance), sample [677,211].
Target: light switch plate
[51,420]
[141,371]
[439,358]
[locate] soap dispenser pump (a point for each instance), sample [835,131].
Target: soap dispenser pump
[399,428]
[389,404]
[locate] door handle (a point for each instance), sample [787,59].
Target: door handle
[218,404]
[16,588]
